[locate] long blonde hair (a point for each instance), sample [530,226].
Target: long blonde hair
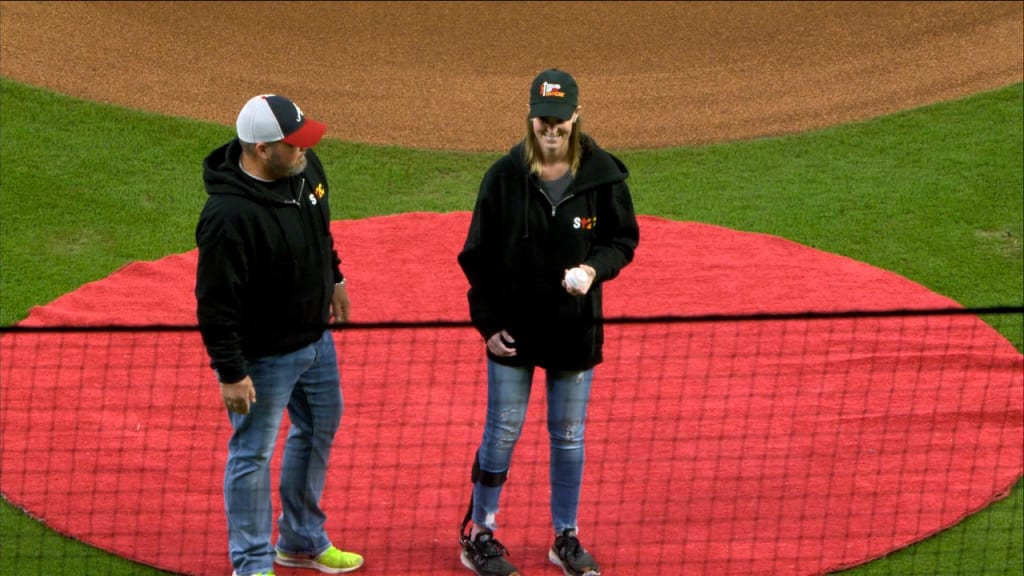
[531,150]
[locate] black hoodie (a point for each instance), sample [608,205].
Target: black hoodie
[519,245]
[267,263]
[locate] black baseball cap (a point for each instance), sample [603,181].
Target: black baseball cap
[554,94]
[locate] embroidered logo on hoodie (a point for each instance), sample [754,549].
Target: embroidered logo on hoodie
[318,193]
[584,222]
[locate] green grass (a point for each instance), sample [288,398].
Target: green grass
[934,194]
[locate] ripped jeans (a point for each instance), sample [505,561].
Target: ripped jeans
[508,394]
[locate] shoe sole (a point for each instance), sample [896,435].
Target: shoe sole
[553,557]
[314,565]
[469,564]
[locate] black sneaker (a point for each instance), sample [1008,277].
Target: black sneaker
[485,556]
[568,554]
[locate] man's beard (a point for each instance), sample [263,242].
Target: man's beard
[281,170]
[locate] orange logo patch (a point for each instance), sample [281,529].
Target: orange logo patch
[549,89]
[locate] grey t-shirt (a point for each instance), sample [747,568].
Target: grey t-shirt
[556,188]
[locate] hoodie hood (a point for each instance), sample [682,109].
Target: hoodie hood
[223,175]
[597,167]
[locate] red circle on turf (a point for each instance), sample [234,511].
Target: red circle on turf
[776,446]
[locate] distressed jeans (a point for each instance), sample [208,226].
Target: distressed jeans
[508,393]
[307,383]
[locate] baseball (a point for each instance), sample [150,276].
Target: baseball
[576,278]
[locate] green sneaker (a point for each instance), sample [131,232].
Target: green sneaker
[330,561]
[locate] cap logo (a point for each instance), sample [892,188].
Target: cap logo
[298,112]
[554,90]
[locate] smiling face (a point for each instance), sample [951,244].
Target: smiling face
[552,134]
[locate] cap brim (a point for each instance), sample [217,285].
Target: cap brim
[559,110]
[308,135]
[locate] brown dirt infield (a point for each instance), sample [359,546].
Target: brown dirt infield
[455,75]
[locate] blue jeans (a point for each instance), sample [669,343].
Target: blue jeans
[508,393]
[308,384]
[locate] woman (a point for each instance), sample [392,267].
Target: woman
[553,220]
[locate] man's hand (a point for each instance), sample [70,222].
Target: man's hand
[238,396]
[340,304]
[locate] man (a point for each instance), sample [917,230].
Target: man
[268,284]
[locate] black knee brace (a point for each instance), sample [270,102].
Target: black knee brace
[484,478]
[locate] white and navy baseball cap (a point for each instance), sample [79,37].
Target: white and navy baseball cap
[273,118]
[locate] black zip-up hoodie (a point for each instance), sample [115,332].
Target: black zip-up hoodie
[267,263]
[519,245]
